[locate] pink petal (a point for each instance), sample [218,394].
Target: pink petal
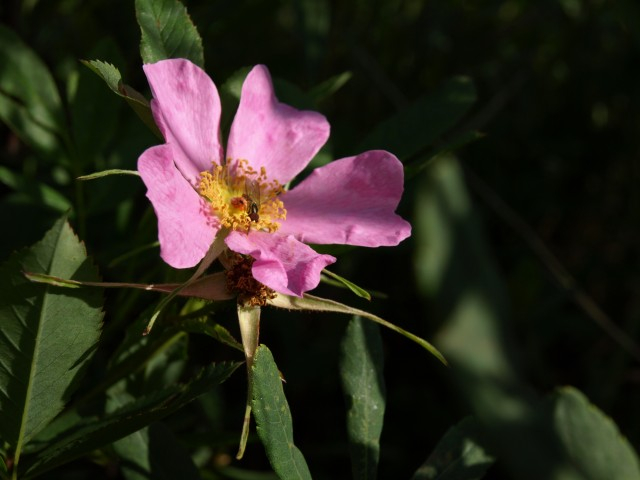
[185,230]
[186,107]
[273,135]
[281,263]
[349,201]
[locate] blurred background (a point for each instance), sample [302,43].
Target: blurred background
[523,263]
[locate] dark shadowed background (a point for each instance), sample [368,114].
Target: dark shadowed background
[523,263]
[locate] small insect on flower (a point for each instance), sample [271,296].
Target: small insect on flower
[239,203]
[252,197]
[200,189]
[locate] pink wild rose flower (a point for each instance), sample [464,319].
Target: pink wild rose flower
[197,190]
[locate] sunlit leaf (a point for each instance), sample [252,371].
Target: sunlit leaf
[104,173]
[273,419]
[47,335]
[361,366]
[167,32]
[458,455]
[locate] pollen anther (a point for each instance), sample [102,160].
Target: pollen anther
[251,293]
[241,197]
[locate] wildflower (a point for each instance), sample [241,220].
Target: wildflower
[199,192]
[235,206]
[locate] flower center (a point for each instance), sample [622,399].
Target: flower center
[242,198]
[240,280]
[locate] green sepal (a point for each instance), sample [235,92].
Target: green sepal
[317,304]
[105,173]
[359,291]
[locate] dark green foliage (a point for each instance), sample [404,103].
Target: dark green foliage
[167,32]
[458,455]
[273,419]
[361,371]
[517,123]
[48,335]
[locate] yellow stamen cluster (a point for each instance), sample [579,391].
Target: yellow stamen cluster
[242,198]
[251,293]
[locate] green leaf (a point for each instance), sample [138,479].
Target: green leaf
[167,32]
[456,273]
[592,441]
[161,369]
[139,104]
[47,334]
[273,419]
[329,87]
[94,116]
[317,304]
[53,281]
[154,453]
[133,355]
[458,455]
[359,291]
[361,366]
[29,100]
[66,421]
[455,269]
[419,125]
[196,278]
[93,434]
[104,173]
[38,193]
[216,331]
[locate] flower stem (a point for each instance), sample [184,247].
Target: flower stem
[249,319]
